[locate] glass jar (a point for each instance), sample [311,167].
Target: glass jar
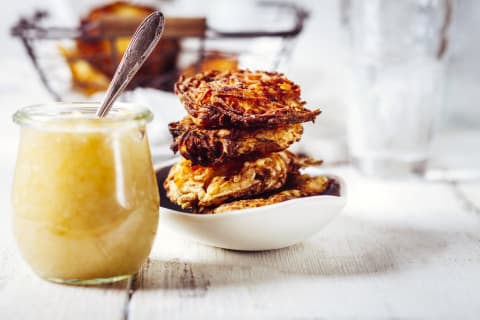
[85,195]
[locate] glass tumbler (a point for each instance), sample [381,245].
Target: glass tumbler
[398,52]
[85,197]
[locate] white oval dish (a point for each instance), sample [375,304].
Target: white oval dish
[264,228]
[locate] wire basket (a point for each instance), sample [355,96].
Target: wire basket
[188,45]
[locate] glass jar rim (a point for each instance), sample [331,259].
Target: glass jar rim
[121,113]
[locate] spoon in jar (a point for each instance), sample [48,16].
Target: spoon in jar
[140,47]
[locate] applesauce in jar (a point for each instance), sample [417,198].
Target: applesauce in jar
[85,196]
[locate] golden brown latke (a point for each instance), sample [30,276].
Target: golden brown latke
[195,186]
[308,185]
[255,202]
[299,186]
[215,146]
[243,98]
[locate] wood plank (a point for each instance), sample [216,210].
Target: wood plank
[25,296]
[469,194]
[401,249]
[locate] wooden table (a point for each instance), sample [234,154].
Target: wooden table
[399,250]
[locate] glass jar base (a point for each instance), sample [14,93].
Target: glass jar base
[89,282]
[390,168]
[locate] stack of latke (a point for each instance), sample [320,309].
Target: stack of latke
[233,142]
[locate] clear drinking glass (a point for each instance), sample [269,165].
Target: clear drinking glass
[398,52]
[85,197]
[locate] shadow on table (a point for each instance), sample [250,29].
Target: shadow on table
[355,247]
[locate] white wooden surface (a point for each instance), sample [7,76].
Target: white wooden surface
[399,250]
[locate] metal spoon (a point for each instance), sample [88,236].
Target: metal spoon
[142,44]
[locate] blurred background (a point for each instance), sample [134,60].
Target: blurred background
[310,41]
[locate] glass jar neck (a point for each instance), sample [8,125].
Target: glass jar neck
[81,115]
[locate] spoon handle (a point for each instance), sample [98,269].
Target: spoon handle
[142,44]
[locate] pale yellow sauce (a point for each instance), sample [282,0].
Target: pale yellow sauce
[85,200]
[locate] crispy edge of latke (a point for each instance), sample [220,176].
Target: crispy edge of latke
[221,113]
[216,116]
[289,162]
[211,147]
[300,186]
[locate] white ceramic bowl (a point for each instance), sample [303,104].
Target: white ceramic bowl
[264,228]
